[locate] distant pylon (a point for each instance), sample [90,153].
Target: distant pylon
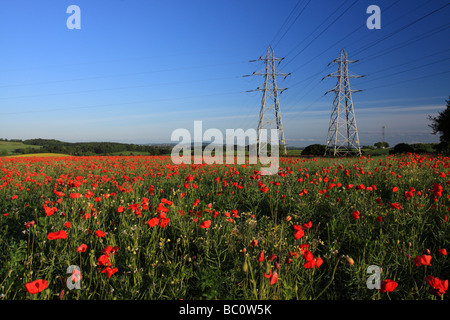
[270,114]
[342,139]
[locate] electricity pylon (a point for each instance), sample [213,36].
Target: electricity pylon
[342,139]
[270,114]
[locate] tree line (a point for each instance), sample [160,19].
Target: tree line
[90,148]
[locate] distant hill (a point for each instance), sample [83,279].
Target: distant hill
[31,146]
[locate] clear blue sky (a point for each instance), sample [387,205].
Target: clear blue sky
[137,70]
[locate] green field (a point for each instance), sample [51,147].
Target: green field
[8,147]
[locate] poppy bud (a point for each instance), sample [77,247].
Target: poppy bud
[245,266]
[276,265]
[426,251]
[288,260]
[349,260]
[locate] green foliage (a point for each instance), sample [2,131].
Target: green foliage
[314,150]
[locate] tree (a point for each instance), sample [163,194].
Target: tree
[441,125]
[403,148]
[315,150]
[381,145]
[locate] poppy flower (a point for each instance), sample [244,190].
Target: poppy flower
[205,224]
[82,248]
[261,256]
[61,234]
[299,233]
[309,264]
[100,233]
[29,224]
[110,271]
[355,214]
[319,262]
[442,252]
[67,224]
[120,209]
[36,286]
[438,286]
[274,278]
[163,222]
[254,243]
[388,285]
[153,222]
[307,225]
[380,219]
[103,260]
[396,205]
[423,260]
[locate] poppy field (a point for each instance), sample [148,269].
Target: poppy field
[141,227]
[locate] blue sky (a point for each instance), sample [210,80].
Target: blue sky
[138,70]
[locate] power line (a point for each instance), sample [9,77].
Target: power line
[364,48]
[116,88]
[285,21]
[329,25]
[119,104]
[341,40]
[405,43]
[118,75]
[298,15]
[408,80]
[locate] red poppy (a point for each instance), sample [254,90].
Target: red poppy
[110,271]
[36,286]
[442,252]
[308,255]
[318,261]
[205,224]
[274,278]
[423,260]
[438,286]
[355,214]
[310,264]
[75,195]
[380,219]
[61,234]
[307,225]
[100,233]
[82,248]
[103,260]
[30,224]
[163,222]
[67,224]
[254,243]
[261,256]
[396,205]
[120,209]
[299,233]
[388,285]
[110,249]
[153,222]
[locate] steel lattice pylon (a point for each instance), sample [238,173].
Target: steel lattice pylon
[342,139]
[270,114]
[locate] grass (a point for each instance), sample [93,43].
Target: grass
[8,147]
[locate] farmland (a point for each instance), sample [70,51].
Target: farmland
[140,227]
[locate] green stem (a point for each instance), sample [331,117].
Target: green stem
[331,280]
